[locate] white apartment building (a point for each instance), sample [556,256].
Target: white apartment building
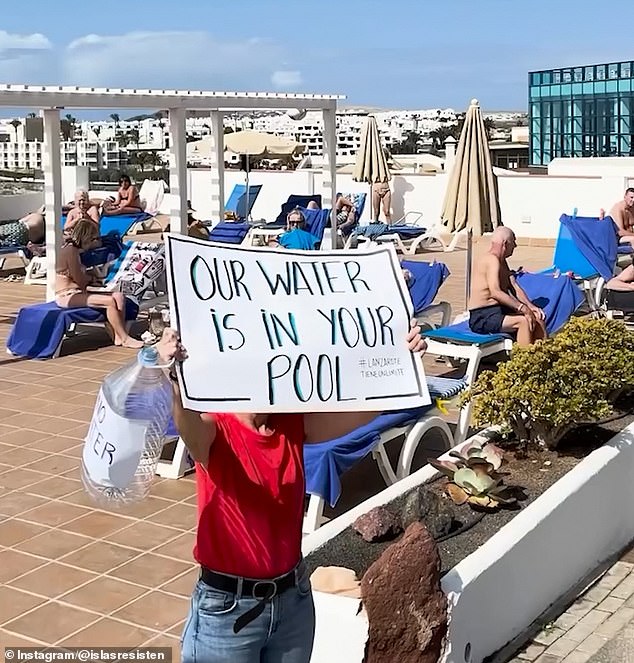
[94,154]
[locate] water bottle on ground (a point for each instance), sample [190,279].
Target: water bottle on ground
[127,432]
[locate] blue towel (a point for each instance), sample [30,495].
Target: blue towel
[427,277]
[298,239]
[39,329]
[586,246]
[110,249]
[558,297]
[326,462]
[293,202]
[118,223]
[229,232]
[461,333]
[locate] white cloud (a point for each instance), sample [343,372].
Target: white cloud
[26,58]
[284,79]
[173,59]
[12,42]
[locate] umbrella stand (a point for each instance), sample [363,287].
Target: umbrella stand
[468,268]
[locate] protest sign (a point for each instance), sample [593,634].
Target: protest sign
[275,330]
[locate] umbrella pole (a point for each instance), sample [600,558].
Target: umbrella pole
[468,268]
[246,209]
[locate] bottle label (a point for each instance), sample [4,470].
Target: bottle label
[113,446]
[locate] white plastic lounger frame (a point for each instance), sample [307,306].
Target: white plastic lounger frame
[414,433]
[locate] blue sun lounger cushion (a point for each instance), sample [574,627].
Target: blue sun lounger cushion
[40,328]
[229,232]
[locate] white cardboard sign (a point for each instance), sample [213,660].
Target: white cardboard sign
[276,330]
[113,446]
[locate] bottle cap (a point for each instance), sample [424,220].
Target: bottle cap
[148,356]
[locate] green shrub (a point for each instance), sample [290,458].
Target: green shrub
[547,389]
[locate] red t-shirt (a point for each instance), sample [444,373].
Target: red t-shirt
[251,498]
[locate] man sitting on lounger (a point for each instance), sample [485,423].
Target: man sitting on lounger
[623,215]
[126,202]
[81,210]
[497,303]
[28,230]
[296,236]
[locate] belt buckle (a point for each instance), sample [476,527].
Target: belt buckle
[265,597]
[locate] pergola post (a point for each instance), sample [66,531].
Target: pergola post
[217,160]
[330,168]
[52,165]
[178,170]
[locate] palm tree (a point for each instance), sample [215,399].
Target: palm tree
[15,124]
[31,115]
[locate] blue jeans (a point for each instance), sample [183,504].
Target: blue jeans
[283,633]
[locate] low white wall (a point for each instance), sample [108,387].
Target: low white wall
[530,204]
[497,592]
[15,207]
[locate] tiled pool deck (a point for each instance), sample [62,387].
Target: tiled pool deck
[74,575]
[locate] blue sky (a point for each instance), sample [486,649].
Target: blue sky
[391,54]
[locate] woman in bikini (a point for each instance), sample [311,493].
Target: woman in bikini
[382,197]
[127,200]
[72,281]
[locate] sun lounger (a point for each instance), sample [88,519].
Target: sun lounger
[326,462]
[587,249]
[293,202]
[237,202]
[111,248]
[229,232]
[427,277]
[40,329]
[558,297]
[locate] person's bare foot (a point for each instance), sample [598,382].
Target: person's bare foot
[132,343]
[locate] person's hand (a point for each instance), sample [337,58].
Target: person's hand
[537,312]
[415,342]
[170,347]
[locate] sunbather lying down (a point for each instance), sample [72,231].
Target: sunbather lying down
[30,229]
[72,281]
[623,282]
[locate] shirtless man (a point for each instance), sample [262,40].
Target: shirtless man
[28,230]
[497,303]
[127,200]
[623,215]
[81,210]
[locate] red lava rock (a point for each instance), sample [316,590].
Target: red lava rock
[407,610]
[378,524]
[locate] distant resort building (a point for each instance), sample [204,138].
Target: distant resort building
[585,111]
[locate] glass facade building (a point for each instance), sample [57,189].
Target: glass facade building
[581,112]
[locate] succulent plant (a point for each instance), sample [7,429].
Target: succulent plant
[473,476]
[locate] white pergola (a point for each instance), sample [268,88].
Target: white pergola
[50,100]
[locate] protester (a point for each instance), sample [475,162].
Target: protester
[253,601]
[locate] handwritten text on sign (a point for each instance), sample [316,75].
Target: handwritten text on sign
[278,330]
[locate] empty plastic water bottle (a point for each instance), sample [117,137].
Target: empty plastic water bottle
[127,432]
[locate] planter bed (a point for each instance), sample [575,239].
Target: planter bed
[502,573]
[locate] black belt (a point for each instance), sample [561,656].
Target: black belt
[261,590]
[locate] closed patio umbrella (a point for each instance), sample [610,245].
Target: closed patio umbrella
[371,164]
[471,200]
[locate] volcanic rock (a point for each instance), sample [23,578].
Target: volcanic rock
[378,524]
[423,504]
[406,608]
